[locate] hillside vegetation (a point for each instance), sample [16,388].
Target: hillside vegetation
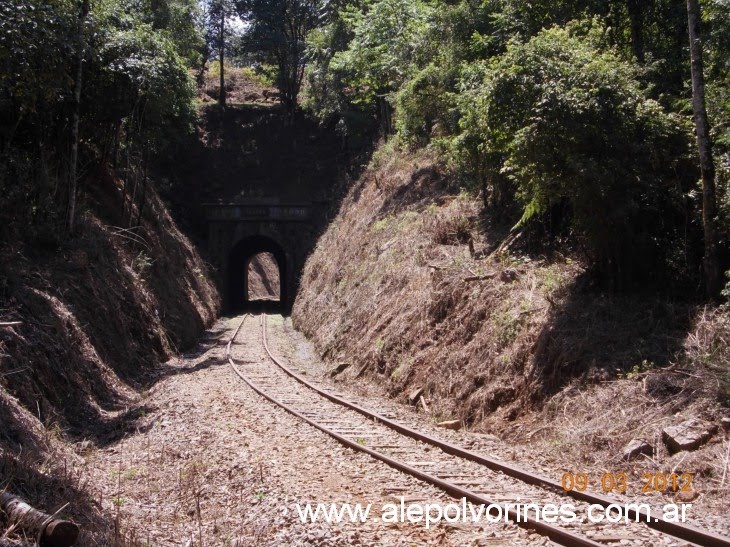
[572,120]
[412,284]
[543,230]
[98,286]
[97,314]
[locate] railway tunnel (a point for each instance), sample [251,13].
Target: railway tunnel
[237,232]
[240,272]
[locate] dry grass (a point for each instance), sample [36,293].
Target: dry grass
[452,225]
[263,278]
[404,284]
[401,273]
[243,85]
[583,427]
[707,349]
[97,313]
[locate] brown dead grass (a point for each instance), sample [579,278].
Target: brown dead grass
[586,425]
[454,225]
[263,278]
[98,312]
[505,341]
[241,87]
[395,275]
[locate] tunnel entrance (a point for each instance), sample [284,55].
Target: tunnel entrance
[264,284]
[257,276]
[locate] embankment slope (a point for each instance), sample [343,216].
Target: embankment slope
[96,313]
[412,284]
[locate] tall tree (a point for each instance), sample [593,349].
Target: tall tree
[219,13]
[636,17]
[278,32]
[221,53]
[80,53]
[704,145]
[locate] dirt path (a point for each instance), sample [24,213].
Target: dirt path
[211,463]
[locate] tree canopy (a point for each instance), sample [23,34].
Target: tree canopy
[133,83]
[574,116]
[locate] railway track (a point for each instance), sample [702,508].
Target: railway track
[460,473]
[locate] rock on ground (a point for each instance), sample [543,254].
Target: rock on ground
[689,435]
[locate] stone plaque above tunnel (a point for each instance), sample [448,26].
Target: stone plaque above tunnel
[257,212]
[238,231]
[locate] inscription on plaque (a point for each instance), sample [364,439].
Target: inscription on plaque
[252,212]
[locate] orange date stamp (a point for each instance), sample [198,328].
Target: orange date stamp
[618,482]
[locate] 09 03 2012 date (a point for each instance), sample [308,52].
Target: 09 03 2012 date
[618,482]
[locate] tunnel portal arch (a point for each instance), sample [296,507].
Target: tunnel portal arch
[239,260]
[239,231]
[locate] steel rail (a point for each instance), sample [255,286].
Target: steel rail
[682,531]
[557,534]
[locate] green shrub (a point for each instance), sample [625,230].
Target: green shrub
[140,69]
[264,76]
[389,41]
[425,107]
[562,126]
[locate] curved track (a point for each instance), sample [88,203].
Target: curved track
[458,472]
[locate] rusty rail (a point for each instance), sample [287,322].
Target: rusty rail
[685,532]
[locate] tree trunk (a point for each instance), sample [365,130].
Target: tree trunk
[49,531]
[128,167]
[143,199]
[221,52]
[200,76]
[704,145]
[80,51]
[636,17]
[384,115]
[115,150]
[133,197]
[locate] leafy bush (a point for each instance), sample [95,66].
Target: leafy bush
[567,127]
[37,40]
[324,93]
[140,73]
[425,106]
[389,41]
[135,91]
[261,75]
[36,51]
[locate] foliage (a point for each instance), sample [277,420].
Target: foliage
[326,97]
[425,106]
[573,113]
[140,73]
[264,75]
[215,11]
[525,18]
[277,34]
[571,129]
[577,111]
[35,54]
[389,40]
[178,20]
[717,45]
[654,31]
[135,90]
[426,102]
